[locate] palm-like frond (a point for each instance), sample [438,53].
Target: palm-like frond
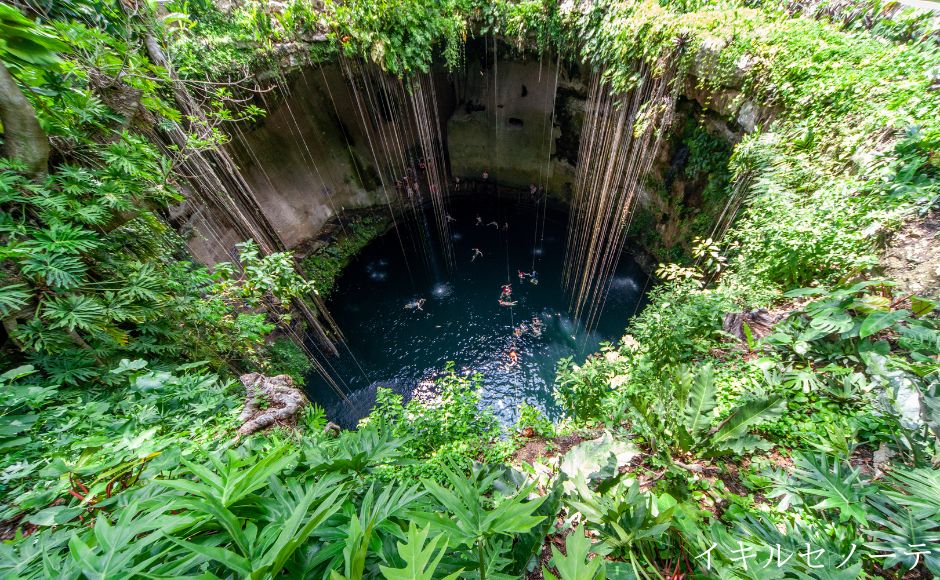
[74,311]
[59,271]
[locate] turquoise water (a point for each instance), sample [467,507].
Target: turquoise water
[461,319]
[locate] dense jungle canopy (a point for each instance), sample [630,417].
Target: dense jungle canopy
[772,410]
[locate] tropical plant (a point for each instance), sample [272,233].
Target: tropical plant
[630,523]
[480,524]
[575,563]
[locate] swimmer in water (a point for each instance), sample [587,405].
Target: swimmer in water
[416,305]
[476,254]
[479,221]
[536,326]
[522,275]
[450,220]
[513,357]
[507,291]
[506,227]
[504,302]
[534,278]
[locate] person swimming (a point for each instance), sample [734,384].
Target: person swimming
[507,291]
[479,221]
[450,220]
[536,327]
[522,275]
[416,304]
[476,254]
[513,357]
[534,278]
[504,302]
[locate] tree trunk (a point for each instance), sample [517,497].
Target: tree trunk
[24,139]
[269,401]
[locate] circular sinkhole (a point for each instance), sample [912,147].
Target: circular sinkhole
[394,344]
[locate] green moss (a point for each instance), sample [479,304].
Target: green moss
[708,158]
[325,265]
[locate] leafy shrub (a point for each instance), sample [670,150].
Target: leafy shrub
[450,428]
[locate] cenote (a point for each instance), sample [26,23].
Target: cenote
[255,271]
[461,320]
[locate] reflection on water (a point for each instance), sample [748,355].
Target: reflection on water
[461,319]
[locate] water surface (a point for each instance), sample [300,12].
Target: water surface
[461,319]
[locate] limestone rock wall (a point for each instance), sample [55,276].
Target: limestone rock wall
[310,158]
[503,122]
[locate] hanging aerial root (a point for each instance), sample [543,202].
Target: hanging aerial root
[269,401]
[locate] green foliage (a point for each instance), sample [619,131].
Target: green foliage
[286,358]
[699,431]
[530,417]
[628,521]
[399,35]
[23,43]
[449,428]
[581,390]
[126,467]
[419,556]
[572,565]
[679,325]
[481,524]
[96,442]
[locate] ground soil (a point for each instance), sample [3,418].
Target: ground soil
[538,446]
[912,257]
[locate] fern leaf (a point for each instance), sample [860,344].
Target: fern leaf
[63,238]
[58,271]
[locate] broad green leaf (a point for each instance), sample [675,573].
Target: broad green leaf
[419,555]
[878,321]
[698,409]
[922,306]
[732,433]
